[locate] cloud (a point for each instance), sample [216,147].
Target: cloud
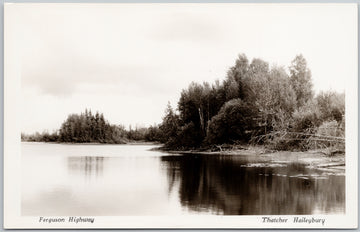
[189,27]
[65,55]
[69,77]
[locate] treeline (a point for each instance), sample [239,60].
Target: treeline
[254,101]
[89,128]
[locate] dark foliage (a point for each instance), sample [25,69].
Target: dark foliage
[86,128]
[252,101]
[234,122]
[89,128]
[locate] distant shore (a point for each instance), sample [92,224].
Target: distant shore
[97,143]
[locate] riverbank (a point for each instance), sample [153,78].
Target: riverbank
[320,159]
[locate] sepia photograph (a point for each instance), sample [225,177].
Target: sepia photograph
[190,115]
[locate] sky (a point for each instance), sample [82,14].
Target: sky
[128,60]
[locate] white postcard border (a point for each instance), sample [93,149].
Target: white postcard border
[12,170]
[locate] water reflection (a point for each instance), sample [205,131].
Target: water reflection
[131,180]
[231,185]
[88,166]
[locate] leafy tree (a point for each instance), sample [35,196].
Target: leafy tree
[277,100]
[256,80]
[237,73]
[153,134]
[194,106]
[331,105]
[233,122]
[189,136]
[306,118]
[300,77]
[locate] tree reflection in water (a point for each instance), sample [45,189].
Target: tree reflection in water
[86,166]
[230,185]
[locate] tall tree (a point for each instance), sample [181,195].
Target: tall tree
[237,73]
[170,124]
[300,77]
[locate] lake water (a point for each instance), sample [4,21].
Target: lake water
[115,180]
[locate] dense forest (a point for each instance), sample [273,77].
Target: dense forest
[257,104]
[89,128]
[254,104]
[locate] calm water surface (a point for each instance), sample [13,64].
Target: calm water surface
[105,180]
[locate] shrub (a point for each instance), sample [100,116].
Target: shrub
[234,121]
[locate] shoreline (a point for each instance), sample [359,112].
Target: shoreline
[311,159]
[96,143]
[259,154]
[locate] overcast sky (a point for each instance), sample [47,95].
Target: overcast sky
[129,60]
